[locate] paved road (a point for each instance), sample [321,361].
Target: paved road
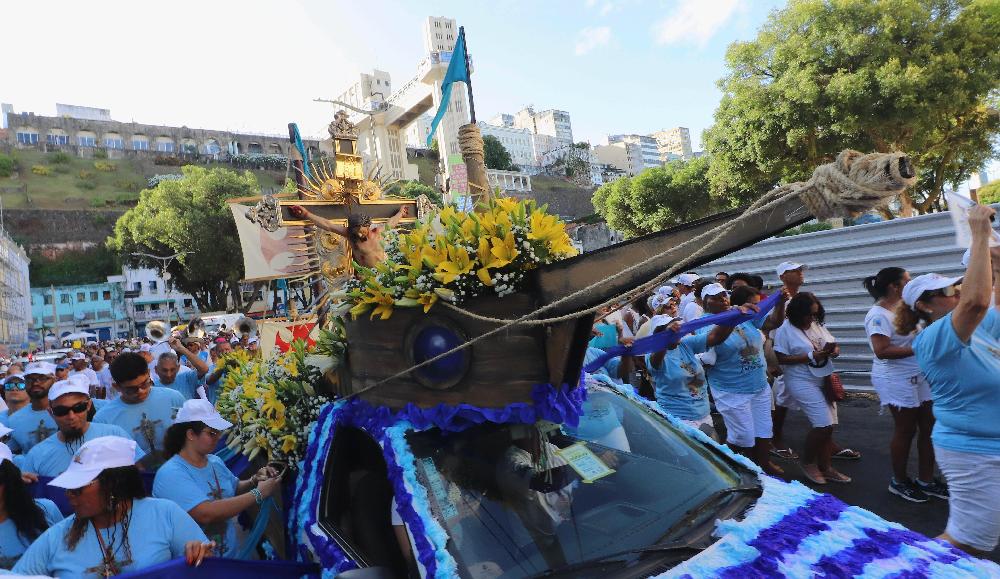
[862,429]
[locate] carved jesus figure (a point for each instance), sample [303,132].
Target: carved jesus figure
[364,237]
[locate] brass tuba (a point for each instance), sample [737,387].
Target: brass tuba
[194,331]
[157,331]
[246,327]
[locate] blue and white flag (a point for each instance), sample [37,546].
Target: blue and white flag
[457,72]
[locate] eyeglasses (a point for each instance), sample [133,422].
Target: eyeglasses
[79,491]
[78,408]
[212,433]
[14,386]
[36,378]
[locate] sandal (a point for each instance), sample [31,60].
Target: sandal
[773,469]
[847,454]
[812,472]
[834,475]
[784,453]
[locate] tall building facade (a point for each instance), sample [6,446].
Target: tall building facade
[553,123]
[649,150]
[369,90]
[96,308]
[626,157]
[15,293]
[440,35]
[147,295]
[416,133]
[516,141]
[676,141]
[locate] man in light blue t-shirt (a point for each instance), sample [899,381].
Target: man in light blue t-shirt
[33,423]
[170,373]
[69,403]
[142,410]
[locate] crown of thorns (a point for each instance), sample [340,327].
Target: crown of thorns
[356,220]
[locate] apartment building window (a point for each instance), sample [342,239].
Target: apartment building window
[152,287]
[81,297]
[450,37]
[65,299]
[85,141]
[165,147]
[447,25]
[93,296]
[106,295]
[137,286]
[27,138]
[140,308]
[189,303]
[438,36]
[114,143]
[47,300]
[140,145]
[57,139]
[437,25]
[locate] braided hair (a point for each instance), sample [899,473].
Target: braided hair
[119,487]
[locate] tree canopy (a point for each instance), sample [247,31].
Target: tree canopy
[496,155]
[414,189]
[657,198]
[190,214]
[919,76]
[990,193]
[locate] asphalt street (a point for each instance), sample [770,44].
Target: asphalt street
[863,429]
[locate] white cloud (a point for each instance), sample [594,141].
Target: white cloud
[590,38]
[694,21]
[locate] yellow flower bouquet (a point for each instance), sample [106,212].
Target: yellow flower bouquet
[457,255]
[272,404]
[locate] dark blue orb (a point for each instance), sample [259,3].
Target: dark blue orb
[433,341]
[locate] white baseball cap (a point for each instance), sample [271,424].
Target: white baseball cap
[94,457]
[927,282]
[788,266]
[68,386]
[43,368]
[145,348]
[78,356]
[713,289]
[661,320]
[200,410]
[13,376]
[5,453]
[687,279]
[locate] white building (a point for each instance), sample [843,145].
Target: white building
[149,296]
[85,113]
[368,91]
[416,133]
[551,122]
[440,35]
[676,140]
[626,157]
[648,147]
[15,293]
[516,141]
[502,120]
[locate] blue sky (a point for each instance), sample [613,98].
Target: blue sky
[614,65]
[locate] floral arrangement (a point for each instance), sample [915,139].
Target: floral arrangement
[272,403]
[457,255]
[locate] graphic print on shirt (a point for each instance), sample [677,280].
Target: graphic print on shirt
[110,566]
[216,531]
[749,354]
[42,432]
[695,381]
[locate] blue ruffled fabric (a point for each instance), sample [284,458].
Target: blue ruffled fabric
[561,405]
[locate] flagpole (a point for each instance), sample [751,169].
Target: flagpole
[468,82]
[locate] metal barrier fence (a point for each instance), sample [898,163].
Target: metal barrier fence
[839,259]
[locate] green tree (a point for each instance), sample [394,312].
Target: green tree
[190,214]
[990,193]
[496,155]
[92,265]
[657,198]
[919,76]
[414,189]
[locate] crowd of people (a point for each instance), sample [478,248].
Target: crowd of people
[936,346]
[129,429]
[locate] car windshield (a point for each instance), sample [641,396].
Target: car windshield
[517,500]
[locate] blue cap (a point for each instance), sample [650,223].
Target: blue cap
[62,365]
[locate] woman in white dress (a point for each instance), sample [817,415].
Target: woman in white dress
[902,388]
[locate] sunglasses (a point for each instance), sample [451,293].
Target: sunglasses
[78,408]
[14,386]
[947,292]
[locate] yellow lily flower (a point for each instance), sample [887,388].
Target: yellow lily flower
[383,306]
[427,300]
[458,263]
[288,443]
[504,250]
[486,260]
[433,255]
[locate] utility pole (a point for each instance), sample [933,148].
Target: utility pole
[55,318]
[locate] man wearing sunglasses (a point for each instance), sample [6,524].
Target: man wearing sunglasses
[69,404]
[144,411]
[15,394]
[33,424]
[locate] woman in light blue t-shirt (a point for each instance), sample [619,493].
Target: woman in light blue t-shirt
[959,353]
[22,519]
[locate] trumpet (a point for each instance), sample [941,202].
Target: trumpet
[246,328]
[157,331]
[194,331]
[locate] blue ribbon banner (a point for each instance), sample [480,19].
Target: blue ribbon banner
[657,342]
[457,72]
[226,569]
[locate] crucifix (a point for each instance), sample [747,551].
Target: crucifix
[42,432]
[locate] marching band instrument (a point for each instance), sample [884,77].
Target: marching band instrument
[157,331]
[246,327]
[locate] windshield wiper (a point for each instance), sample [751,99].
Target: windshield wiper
[711,501]
[611,557]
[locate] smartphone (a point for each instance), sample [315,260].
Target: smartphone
[830,346]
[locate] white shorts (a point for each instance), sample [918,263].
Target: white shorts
[901,391]
[974,485]
[747,416]
[782,397]
[809,398]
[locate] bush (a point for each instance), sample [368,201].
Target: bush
[100,154]
[127,198]
[7,165]
[127,185]
[85,174]
[97,202]
[990,193]
[58,158]
[61,169]
[169,161]
[86,185]
[105,166]
[40,170]
[157,179]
